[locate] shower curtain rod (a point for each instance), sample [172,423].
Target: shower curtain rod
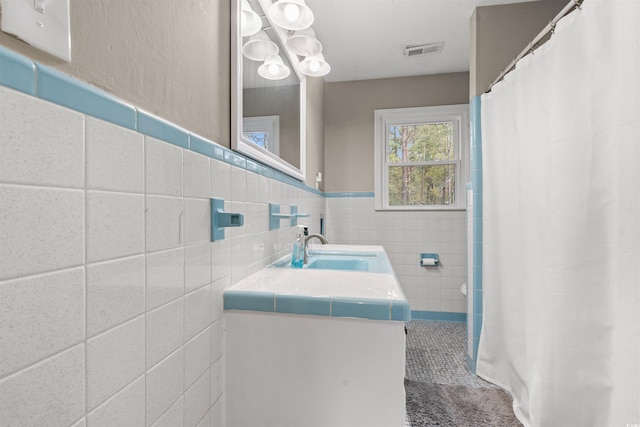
[573,4]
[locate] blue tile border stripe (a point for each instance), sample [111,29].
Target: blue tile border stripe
[351,194]
[205,147]
[63,90]
[476,178]
[442,316]
[23,74]
[17,72]
[156,127]
[362,308]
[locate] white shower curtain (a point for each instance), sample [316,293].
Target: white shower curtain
[561,251]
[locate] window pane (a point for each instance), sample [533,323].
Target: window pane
[421,142]
[422,185]
[260,138]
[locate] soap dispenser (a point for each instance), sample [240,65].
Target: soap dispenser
[297,255]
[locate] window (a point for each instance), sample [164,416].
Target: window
[421,157]
[264,131]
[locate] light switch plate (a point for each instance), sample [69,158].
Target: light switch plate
[41,23]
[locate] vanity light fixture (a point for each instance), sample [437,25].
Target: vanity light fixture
[260,47]
[291,14]
[304,42]
[292,20]
[274,69]
[314,66]
[251,23]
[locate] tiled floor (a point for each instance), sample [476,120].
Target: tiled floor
[436,353]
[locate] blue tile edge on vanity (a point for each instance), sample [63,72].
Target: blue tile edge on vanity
[252,301]
[301,304]
[362,308]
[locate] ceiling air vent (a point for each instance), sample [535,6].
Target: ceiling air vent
[423,49]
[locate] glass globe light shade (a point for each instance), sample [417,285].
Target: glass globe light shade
[274,69]
[250,22]
[304,43]
[314,66]
[260,47]
[291,14]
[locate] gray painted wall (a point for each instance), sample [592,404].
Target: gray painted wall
[499,33]
[349,122]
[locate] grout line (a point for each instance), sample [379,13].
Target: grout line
[144,269]
[42,360]
[85,269]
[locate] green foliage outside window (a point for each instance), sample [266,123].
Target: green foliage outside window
[415,177]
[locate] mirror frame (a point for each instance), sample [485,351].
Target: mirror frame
[238,142]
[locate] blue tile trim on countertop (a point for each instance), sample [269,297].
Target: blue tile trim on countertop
[442,316]
[253,301]
[363,308]
[302,304]
[350,194]
[400,310]
[17,72]
[162,129]
[61,89]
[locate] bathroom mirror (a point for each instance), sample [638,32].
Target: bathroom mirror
[268,93]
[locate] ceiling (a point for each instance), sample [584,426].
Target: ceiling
[365,39]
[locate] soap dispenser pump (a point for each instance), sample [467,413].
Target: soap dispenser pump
[297,255]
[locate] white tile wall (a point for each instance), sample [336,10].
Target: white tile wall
[404,236]
[197,400]
[165,277]
[115,225]
[163,168]
[125,408]
[162,383]
[33,220]
[115,157]
[49,393]
[40,316]
[115,292]
[114,359]
[164,331]
[42,144]
[197,357]
[110,289]
[173,417]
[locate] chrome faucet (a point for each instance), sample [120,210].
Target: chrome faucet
[309,237]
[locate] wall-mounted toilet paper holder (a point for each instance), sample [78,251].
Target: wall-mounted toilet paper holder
[427,260]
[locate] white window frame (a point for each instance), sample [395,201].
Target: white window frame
[458,114]
[267,124]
